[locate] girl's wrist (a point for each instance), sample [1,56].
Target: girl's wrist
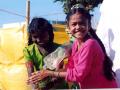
[55,74]
[50,73]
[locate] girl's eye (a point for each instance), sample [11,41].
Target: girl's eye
[82,23]
[34,36]
[73,24]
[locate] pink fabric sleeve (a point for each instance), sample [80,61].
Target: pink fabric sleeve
[84,62]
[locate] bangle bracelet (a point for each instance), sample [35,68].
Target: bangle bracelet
[58,74]
[53,74]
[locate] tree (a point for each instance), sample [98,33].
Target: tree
[88,4]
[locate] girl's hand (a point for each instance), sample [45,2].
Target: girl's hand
[37,76]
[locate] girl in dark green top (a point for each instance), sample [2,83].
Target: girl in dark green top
[41,44]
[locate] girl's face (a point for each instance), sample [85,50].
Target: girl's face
[40,38]
[78,26]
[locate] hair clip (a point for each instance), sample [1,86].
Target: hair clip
[77,6]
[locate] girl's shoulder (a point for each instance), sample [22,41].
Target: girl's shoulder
[30,47]
[91,41]
[88,42]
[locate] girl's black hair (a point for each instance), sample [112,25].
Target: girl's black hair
[39,25]
[79,10]
[107,64]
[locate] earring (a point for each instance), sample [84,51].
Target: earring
[89,34]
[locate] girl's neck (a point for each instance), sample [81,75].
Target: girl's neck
[81,41]
[42,50]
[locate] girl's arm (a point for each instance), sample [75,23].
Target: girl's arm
[39,75]
[30,67]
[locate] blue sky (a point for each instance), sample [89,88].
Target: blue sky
[44,8]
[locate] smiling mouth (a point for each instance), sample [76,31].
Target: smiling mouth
[81,31]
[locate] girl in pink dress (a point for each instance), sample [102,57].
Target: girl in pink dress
[88,63]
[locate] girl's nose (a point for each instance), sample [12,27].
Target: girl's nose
[38,40]
[77,26]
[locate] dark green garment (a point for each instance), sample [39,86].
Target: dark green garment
[75,86]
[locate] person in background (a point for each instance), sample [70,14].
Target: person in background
[88,63]
[41,44]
